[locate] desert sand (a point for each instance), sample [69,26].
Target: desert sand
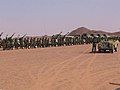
[59,68]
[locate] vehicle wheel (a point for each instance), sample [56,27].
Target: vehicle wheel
[99,50]
[112,51]
[104,51]
[115,49]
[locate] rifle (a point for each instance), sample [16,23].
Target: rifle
[1,34]
[23,36]
[6,37]
[58,35]
[12,35]
[65,35]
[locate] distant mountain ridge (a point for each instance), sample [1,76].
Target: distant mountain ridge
[82,30]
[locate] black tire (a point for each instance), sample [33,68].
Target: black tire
[104,51]
[99,51]
[115,49]
[112,51]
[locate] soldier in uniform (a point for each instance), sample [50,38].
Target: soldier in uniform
[34,42]
[4,43]
[116,45]
[26,43]
[1,40]
[62,40]
[43,42]
[10,42]
[16,43]
[53,41]
[67,41]
[38,42]
[59,41]
[48,42]
[21,40]
[94,44]
[79,40]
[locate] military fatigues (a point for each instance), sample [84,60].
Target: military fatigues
[16,43]
[116,45]
[94,43]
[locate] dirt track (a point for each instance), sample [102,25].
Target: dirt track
[60,68]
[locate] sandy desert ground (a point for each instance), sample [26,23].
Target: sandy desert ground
[60,68]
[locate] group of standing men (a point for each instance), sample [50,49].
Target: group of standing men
[11,42]
[25,42]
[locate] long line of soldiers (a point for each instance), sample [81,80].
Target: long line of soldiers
[10,43]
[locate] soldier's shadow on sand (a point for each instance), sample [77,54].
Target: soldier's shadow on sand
[117,89]
[98,52]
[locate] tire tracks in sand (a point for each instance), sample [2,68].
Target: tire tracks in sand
[55,70]
[85,75]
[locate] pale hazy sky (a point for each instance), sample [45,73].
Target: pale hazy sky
[39,17]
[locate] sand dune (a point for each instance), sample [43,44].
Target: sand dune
[60,68]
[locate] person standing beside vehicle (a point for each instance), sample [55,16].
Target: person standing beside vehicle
[94,44]
[116,45]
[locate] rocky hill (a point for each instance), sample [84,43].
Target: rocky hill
[83,30]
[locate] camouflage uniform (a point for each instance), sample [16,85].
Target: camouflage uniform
[21,42]
[38,42]
[116,45]
[16,43]
[94,43]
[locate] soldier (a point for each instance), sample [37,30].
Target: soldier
[63,39]
[34,43]
[1,40]
[99,37]
[55,39]
[116,45]
[66,41]
[10,42]
[52,41]
[71,40]
[79,39]
[59,41]
[74,41]
[16,43]
[4,43]
[26,43]
[94,43]
[21,40]
[48,42]
[83,39]
[38,42]
[43,42]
